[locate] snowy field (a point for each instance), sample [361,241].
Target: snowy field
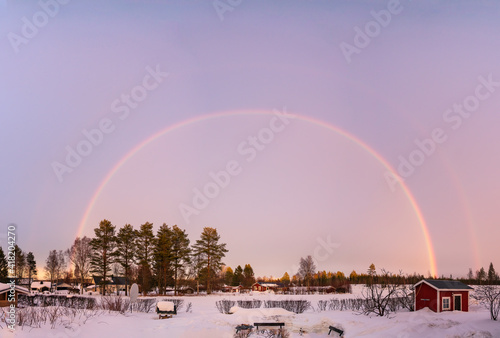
[205,320]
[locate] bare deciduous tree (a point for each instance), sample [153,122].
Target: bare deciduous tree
[54,265]
[489,296]
[80,255]
[381,298]
[307,269]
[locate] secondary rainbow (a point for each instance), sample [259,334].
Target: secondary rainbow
[197,119]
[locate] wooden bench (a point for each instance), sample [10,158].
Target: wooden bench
[269,324]
[339,331]
[243,327]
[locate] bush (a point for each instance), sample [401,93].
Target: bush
[119,304]
[352,304]
[224,305]
[249,304]
[177,302]
[146,305]
[296,306]
[78,302]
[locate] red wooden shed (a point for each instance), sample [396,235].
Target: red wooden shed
[442,295]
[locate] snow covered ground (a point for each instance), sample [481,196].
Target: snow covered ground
[205,321]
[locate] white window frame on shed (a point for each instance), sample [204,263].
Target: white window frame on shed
[449,303]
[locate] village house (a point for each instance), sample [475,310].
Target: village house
[232,289]
[40,286]
[5,291]
[442,295]
[113,284]
[267,286]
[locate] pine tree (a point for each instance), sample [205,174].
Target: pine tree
[145,247]
[103,246]
[470,275]
[125,251]
[31,264]
[353,277]
[180,253]
[237,276]
[371,270]
[285,279]
[20,265]
[492,275]
[162,257]
[228,276]
[480,275]
[248,276]
[80,255]
[4,267]
[210,254]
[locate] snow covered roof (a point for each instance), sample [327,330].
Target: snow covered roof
[40,284]
[64,285]
[165,306]
[6,287]
[269,284]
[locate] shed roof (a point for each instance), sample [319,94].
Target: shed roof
[6,287]
[40,284]
[445,284]
[110,280]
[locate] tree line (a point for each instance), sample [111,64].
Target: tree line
[152,260]
[25,265]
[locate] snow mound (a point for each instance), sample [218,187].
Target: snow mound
[261,312]
[165,306]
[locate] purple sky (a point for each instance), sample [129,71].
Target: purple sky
[309,185]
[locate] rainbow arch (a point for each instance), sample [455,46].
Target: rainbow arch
[197,119]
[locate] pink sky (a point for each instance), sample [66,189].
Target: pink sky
[310,184]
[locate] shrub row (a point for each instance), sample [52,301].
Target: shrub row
[78,302]
[359,304]
[108,303]
[297,306]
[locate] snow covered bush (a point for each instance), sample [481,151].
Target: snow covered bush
[177,302]
[36,317]
[250,304]
[146,305]
[334,304]
[224,306]
[79,302]
[113,303]
[297,306]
